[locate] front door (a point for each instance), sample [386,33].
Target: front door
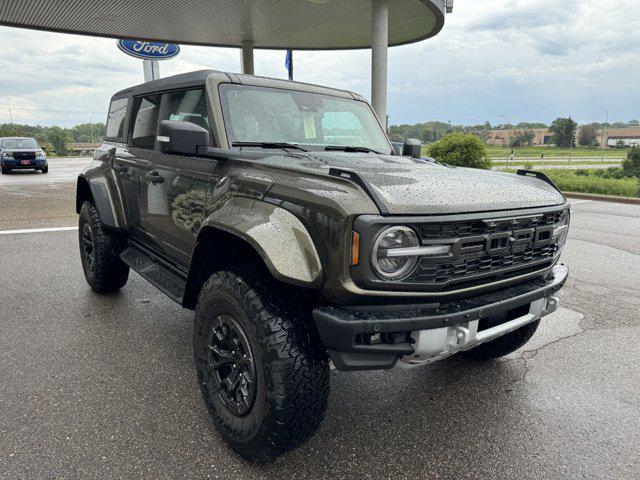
[186,190]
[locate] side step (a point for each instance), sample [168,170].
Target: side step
[166,278]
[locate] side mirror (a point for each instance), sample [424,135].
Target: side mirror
[412,148]
[182,138]
[397,148]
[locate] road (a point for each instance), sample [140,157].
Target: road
[61,169]
[573,166]
[101,387]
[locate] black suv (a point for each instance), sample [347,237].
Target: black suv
[281,214]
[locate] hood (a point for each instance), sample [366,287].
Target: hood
[417,187]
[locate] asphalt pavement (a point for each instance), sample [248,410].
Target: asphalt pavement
[104,386]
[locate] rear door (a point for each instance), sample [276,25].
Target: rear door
[144,173]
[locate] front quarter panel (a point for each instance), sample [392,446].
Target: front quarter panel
[276,234]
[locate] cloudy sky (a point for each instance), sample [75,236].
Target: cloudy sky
[530,60]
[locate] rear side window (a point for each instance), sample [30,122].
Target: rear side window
[115,119]
[186,106]
[145,123]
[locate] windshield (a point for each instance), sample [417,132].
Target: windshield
[18,143]
[311,120]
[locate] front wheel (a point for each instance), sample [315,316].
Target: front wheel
[262,369]
[45,169]
[100,252]
[5,171]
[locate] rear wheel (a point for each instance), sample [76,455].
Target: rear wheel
[262,369]
[100,252]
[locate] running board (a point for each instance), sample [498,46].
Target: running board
[168,280]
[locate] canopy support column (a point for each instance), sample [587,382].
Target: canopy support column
[151,70]
[379,50]
[246,55]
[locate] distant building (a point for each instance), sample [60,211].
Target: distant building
[629,136]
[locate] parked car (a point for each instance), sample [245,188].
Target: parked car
[280,213]
[19,153]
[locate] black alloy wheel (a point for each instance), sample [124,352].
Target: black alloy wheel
[232,363]
[88,246]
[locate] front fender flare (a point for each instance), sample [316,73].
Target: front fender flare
[277,235]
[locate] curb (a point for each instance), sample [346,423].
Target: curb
[603,198]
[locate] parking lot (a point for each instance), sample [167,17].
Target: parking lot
[104,387]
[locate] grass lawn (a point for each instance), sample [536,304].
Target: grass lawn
[549,152]
[568,181]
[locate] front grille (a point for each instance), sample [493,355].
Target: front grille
[24,155]
[485,250]
[483,265]
[443,231]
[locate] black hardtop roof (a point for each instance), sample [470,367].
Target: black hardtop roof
[197,78]
[182,80]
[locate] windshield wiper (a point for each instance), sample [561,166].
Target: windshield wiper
[342,148]
[269,145]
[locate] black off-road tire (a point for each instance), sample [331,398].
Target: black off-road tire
[503,345]
[5,171]
[105,271]
[45,170]
[290,364]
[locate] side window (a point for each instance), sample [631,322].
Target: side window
[186,106]
[145,124]
[115,119]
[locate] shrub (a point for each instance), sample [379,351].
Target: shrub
[572,181]
[631,164]
[528,165]
[460,149]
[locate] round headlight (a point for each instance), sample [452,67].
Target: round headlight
[386,264]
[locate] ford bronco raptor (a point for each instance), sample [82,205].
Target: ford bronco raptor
[283,216]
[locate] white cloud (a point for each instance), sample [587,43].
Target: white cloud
[529,60]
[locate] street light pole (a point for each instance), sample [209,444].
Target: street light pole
[604,127]
[506,140]
[11,116]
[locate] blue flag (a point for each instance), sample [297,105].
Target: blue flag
[288,62]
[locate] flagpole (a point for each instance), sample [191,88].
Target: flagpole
[289,63]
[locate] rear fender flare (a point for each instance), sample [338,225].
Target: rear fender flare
[97,183]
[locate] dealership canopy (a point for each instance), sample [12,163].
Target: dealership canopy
[247,24]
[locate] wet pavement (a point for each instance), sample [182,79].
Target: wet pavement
[103,386]
[61,169]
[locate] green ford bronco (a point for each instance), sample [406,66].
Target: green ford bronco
[281,213]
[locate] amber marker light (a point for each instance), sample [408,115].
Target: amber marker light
[355,249]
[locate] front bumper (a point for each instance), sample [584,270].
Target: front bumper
[17,165]
[346,332]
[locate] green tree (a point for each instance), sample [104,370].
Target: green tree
[563,130]
[587,135]
[631,164]
[88,133]
[522,138]
[461,149]
[59,139]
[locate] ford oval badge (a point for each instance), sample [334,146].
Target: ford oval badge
[149,50]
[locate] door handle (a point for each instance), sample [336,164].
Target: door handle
[154,177]
[120,168]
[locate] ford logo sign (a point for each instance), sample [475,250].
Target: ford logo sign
[149,50]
